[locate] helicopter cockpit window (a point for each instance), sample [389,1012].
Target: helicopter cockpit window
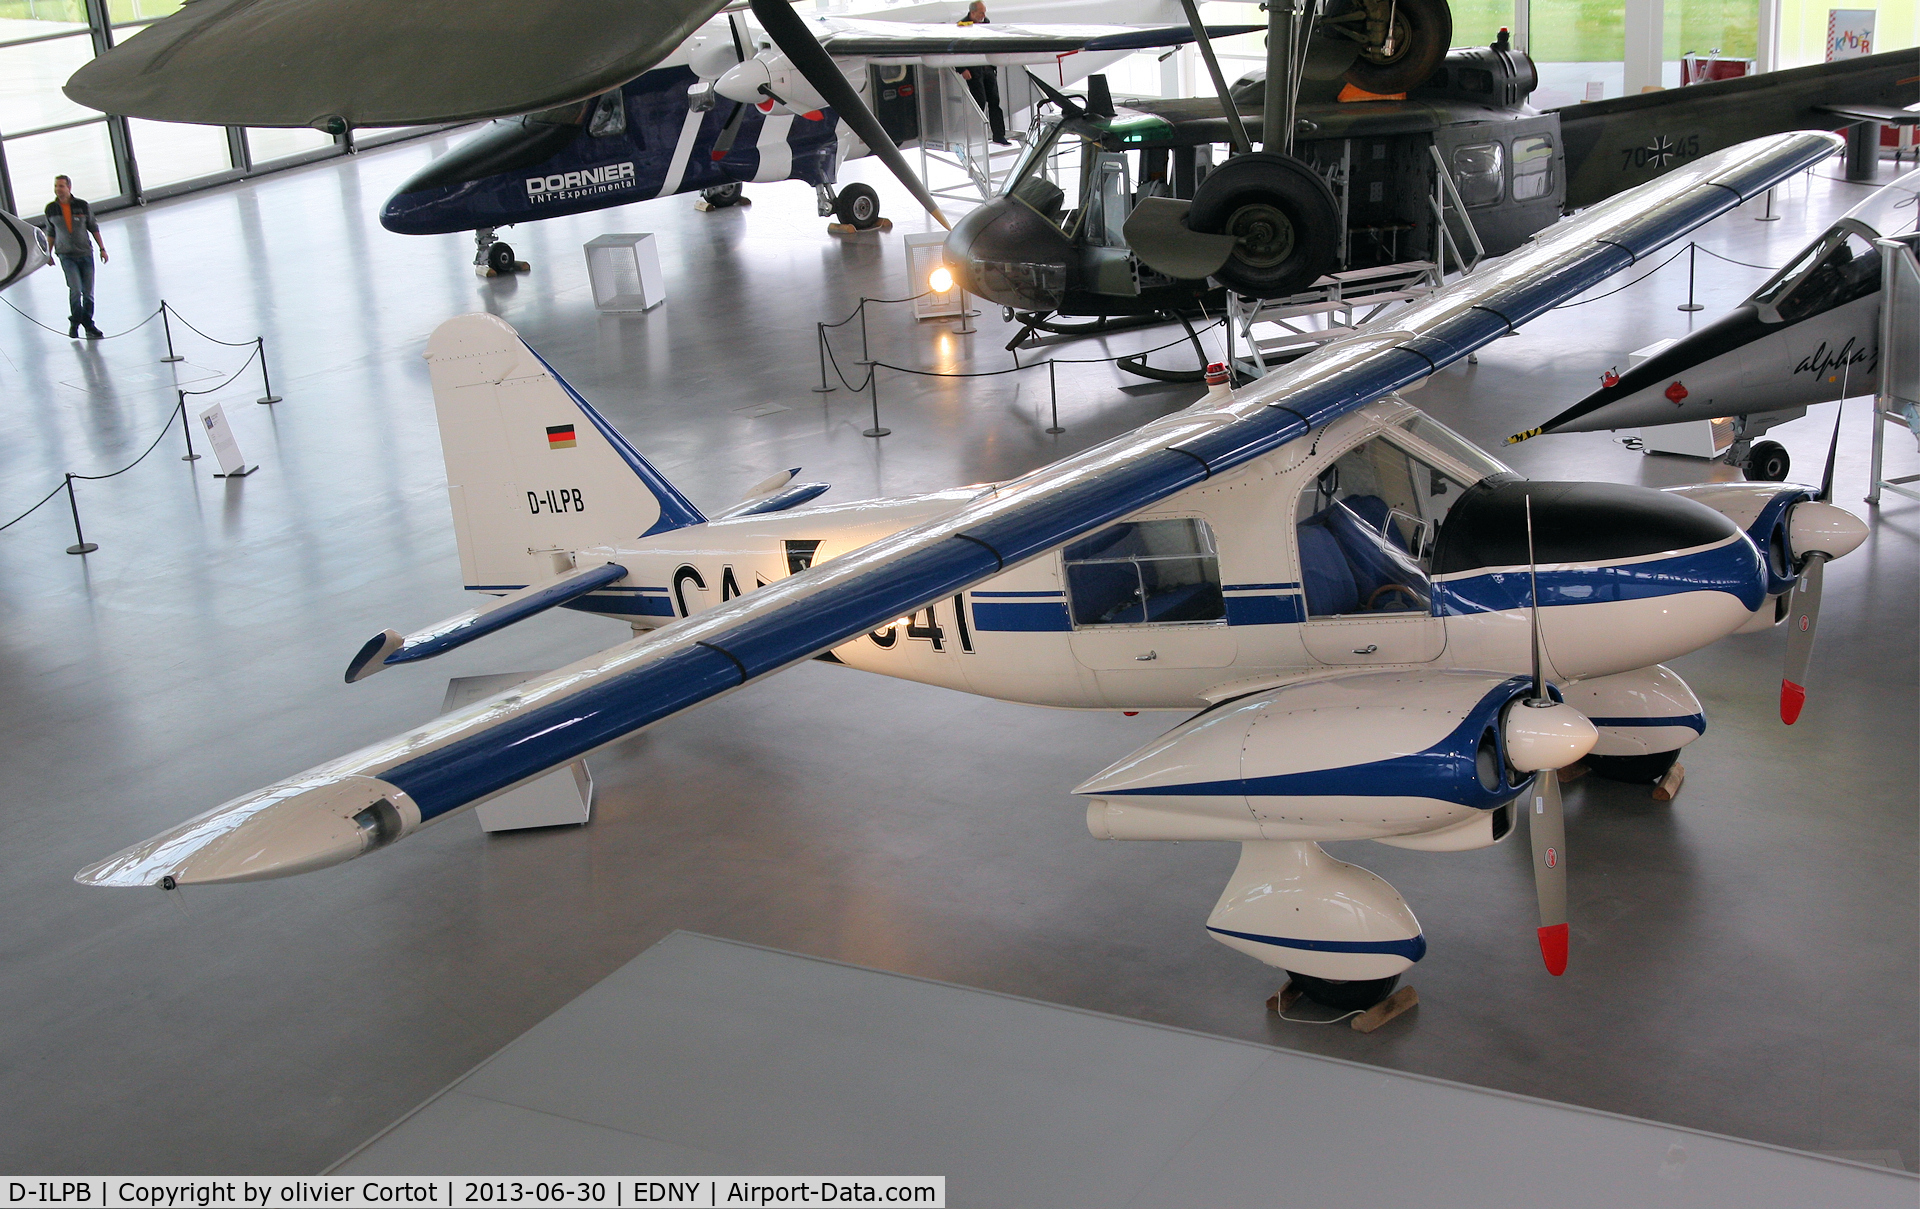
[1145,571]
[609,115]
[1842,268]
[1479,173]
[1366,529]
[1532,167]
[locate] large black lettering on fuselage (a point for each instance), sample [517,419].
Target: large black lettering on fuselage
[555,500]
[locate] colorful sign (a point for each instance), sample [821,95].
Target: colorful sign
[1849,33]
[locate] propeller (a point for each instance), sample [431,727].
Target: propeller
[730,130]
[797,42]
[1542,737]
[1803,614]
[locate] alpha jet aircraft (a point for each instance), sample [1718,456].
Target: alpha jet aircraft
[727,108]
[1386,633]
[1810,335]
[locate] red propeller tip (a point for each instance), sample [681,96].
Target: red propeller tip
[1553,948]
[1793,698]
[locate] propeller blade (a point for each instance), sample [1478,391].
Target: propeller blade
[1802,621]
[1833,450]
[1547,829]
[796,41]
[729,132]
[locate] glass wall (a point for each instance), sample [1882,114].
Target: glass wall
[1803,28]
[116,161]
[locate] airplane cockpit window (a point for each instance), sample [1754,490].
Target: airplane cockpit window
[1839,269]
[1145,571]
[1366,529]
[609,115]
[1532,167]
[1425,428]
[1479,173]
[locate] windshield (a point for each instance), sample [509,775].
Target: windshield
[1841,268]
[1040,141]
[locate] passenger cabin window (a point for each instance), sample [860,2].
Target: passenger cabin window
[1479,173]
[1145,571]
[1366,530]
[1532,167]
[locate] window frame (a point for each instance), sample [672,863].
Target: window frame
[1210,553]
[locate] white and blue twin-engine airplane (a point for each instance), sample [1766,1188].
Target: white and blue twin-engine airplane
[1380,632]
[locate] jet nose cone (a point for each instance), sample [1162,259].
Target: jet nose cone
[274,832]
[1006,252]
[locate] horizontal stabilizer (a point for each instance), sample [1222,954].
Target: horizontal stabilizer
[775,494]
[389,648]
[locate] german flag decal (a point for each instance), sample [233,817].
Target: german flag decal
[560,437]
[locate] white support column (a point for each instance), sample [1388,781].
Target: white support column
[1646,28]
[1522,26]
[1767,50]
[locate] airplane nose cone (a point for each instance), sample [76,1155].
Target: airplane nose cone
[742,82]
[1006,252]
[275,832]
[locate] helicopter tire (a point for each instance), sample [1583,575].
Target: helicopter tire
[500,258]
[1767,462]
[1429,32]
[1355,996]
[858,206]
[719,197]
[1284,216]
[1633,770]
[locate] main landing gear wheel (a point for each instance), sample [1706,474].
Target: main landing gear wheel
[1767,462]
[858,206]
[1421,32]
[1283,217]
[719,197]
[1633,770]
[500,258]
[1356,996]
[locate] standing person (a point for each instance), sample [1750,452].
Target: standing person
[984,81]
[70,222]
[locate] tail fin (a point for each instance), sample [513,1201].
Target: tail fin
[531,466]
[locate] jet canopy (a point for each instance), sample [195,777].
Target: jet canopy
[1843,266]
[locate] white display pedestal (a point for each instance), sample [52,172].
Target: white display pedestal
[1690,438]
[925,253]
[625,273]
[563,796]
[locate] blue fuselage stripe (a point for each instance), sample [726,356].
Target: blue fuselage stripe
[1696,722]
[1730,567]
[1021,616]
[1413,948]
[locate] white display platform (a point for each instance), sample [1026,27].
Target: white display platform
[710,1057]
[563,796]
[624,271]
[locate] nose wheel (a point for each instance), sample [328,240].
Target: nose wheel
[1766,462]
[492,258]
[856,207]
[721,197]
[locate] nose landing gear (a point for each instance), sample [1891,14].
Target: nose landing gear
[492,258]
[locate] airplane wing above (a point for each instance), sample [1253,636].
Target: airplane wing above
[383,792]
[899,40]
[324,62]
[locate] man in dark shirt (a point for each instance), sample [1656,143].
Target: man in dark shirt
[70,222]
[984,81]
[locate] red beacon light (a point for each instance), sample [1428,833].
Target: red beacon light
[1676,392]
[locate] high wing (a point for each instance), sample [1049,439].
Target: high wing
[325,62]
[383,792]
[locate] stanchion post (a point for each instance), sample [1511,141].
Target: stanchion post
[167,327]
[1769,216]
[1053,398]
[266,384]
[1693,250]
[185,427]
[80,543]
[820,339]
[866,358]
[873,388]
[967,313]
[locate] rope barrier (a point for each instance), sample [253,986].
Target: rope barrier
[1636,281]
[49,495]
[251,357]
[56,331]
[95,478]
[1771,268]
[196,331]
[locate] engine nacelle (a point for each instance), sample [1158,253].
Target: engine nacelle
[1362,756]
[1639,713]
[1293,906]
[771,81]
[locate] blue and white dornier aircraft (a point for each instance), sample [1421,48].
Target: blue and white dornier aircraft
[1385,634]
[728,107]
[1810,335]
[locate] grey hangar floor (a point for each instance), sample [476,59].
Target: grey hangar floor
[1744,958]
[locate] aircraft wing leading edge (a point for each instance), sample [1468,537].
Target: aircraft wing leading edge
[363,800]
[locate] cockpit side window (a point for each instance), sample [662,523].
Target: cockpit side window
[1140,572]
[1366,528]
[1479,173]
[1844,268]
[1532,167]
